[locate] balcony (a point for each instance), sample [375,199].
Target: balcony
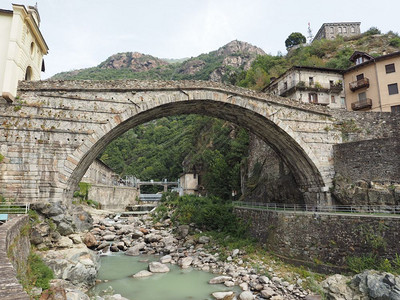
[362,104]
[359,84]
[316,87]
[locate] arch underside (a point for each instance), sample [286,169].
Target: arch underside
[306,174]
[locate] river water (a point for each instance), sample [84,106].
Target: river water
[178,284]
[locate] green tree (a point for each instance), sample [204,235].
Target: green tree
[295,38]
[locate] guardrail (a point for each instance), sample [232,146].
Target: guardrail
[356,209]
[14,208]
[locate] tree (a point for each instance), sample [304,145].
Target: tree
[295,38]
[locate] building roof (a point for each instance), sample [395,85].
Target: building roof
[374,59]
[305,68]
[358,54]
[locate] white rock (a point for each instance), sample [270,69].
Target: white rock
[268,293]
[221,295]
[141,274]
[246,295]
[186,262]
[244,286]
[219,279]
[157,267]
[229,283]
[235,252]
[263,279]
[166,259]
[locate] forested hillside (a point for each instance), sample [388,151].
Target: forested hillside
[215,149]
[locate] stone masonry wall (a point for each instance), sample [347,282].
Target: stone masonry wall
[113,197]
[17,244]
[358,126]
[370,160]
[322,238]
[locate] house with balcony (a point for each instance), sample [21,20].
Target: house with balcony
[316,85]
[372,84]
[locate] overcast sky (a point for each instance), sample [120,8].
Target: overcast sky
[83,33]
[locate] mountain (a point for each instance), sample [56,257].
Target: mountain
[219,65]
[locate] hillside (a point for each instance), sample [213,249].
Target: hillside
[217,65]
[324,53]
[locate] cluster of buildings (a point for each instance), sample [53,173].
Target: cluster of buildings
[371,84]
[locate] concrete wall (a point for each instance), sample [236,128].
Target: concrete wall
[113,197]
[18,245]
[323,238]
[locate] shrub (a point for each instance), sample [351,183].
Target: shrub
[395,42]
[39,274]
[207,213]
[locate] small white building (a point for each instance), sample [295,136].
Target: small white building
[189,183]
[310,84]
[22,48]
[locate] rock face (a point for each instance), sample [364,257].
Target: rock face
[78,266]
[367,285]
[137,62]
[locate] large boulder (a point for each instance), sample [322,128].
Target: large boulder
[157,267]
[135,250]
[90,240]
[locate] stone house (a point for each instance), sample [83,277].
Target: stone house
[372,84]
[100,173]
[22,48]
[310,84]
[330,31]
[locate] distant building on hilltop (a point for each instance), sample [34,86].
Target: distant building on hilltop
[330,31]
[310,84]
[22,48]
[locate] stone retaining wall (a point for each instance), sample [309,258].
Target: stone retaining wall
[370,160]
[323,239]
[17,244]
[113,197]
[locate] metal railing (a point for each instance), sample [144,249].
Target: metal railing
[14,208]
[355,209]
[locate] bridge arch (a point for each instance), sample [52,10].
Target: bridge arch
[93,113]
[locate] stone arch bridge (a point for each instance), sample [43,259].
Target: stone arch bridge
[55,129]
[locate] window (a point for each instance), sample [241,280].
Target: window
[331,83]
[362,96]
[285,85]
[359,60]
[360,76]
[333,100]
[390,68]
[353,30]
[395,109]
[393,89]
[332,30]
[342,101]
[344,30]
[310,81]
[313,97]
[340,29]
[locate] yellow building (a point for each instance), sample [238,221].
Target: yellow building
[22,48]
[372,84]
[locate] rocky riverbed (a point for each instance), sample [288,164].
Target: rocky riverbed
[74,255]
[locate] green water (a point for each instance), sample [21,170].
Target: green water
[178,284]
